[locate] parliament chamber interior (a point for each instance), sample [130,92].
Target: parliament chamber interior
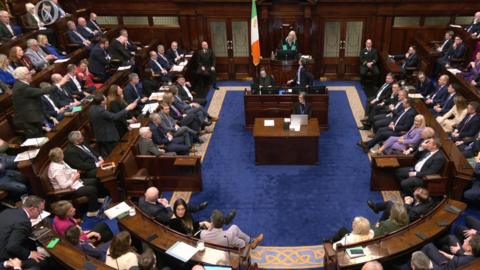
[240,134]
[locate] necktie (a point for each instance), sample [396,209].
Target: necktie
[176,110]
[89,30]
[298,75]
[158,64]
[88,152]
[96,26]
[136,91]
[80,36]
[398,119]
[466,122]
[381,90]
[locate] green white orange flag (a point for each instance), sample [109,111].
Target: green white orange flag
[254,36]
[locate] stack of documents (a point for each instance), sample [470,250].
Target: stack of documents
[27,155]
[36,142]
[118,210]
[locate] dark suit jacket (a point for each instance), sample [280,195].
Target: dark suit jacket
[469,129]
[405,120]
[97,62]
[48,109]
[474,27]
[387,92]
[74,38]
[433,165]
[118,51]
[15,228]
[171,55]
[425,88]
[84,32]
[147,147]
[366,56]
[73,90]
[31,21]
[103,125]
[79,159]
[447,46]
[412,61]
[61,97]
[157,211]
[415,211]
[5,34]
[164,62]
[158,134]
[298,110]
[263,82]
[93,25]
[155,68]
[440,94]
[306,78]
[129,93]
[182,93]
[206,60]
[457,52]
[447,103]
[27,102]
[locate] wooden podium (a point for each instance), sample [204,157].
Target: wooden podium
[282,70]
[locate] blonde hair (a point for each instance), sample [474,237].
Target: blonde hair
[168,98]
[4,61]
[41,38]
[420,118]
[361,226]
[55,154]
[399,215]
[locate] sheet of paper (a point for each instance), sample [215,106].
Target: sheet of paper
[184,63]
[27,155]
[43,215]
[61,60]
[77,185]
[35,141]
[124,68]
[150,108]
[455,26]
[454,71]
[157,96]
[177,68]
[135,125]
[269,123]
[182,251]
[117,210]
[416,95]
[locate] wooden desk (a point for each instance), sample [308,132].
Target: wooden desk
[398,243]
[257,106]
[282,70]
[18,41]
[142,227]
[274,145]
[428,55]
[388,65]
[383,177]
[470,92]
[475,265]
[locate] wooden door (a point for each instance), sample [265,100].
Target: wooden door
[229,39]
[342,42]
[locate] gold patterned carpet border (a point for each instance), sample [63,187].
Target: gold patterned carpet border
[291,257]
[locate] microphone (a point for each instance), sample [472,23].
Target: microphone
[228,250]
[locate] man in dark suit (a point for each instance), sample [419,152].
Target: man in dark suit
[391,109]
[103,125]
[263,81]
[157,68]
[206,68]
[161,210]
[133,91]
[92,23]
[180,144]
[303,78]
[368,62]
[33,21]
[85,31]
[162,58]
[410,59]
[439,93]
[447,103]
[469,126]
[15,230]
[118,51]
[417,206]
[447,43]
[7,31]
[61,94]
[424,84]
[456,256]
[129,45]
[400,123]
[76,87]
[175,54]
[302,107]
[430,162]
[474,27]
[75,37]
[51,109]
[145,143]
[383,92]
[81,156]
[27,103]
[453,57]
[186,94]
[99,59]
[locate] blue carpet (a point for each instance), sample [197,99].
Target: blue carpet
[291,205]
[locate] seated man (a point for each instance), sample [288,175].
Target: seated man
[420,261]
[119,52]
[424,84]
[470,229]
[145,144]
[430,162]
[232,237]
[416,206]
[382,114]
[50,107]
[175,54]
[134,90]
[11,180]
[457,255]
[39,58]
[99,59]
[383,93]
[472,195]
[263,81]
[75,86]
[303,78]
[61,95]
[474,27]
[447,43]
[368,62]
[372,265]
[79,155]
[451,58]
[409,60]
[160,209]
[7,31]
[75,37]
[179,144]
[85,31]
[157,68]
[302,107]
[469,126]
[162,58]
[92,23]
[439,93]
[186,94]
[447,103]
[131,46]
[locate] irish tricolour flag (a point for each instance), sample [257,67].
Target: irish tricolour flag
[254,41]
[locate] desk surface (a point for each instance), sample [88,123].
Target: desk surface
[259,130]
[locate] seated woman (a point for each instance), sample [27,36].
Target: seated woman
[261,82]
[73,235]
[473,69]
[18,59]
[397,144]
[116,103]
[302,107]
[49,48]
[455,115]
[398,219]
[84,74]
[62,176]
[361,231]
[65,218]
[183,222]
[119,255]
[6,70]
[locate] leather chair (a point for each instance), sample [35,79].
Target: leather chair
[136,180]
[439,184]
[69,47]
[53,195]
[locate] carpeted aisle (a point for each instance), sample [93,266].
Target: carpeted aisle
[291,205]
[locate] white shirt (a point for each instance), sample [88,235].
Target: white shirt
[419,165]
[9,27]
[188,91]
[400,117]
[381,90]
[158,64]
[51,103]
[75,81]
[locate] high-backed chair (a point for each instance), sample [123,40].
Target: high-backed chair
[136,179]
[53,195]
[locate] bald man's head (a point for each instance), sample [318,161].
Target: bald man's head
[373,265]
[56,78]
[198,267]
[151,195]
